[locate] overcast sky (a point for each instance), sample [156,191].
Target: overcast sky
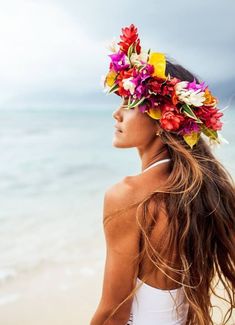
[53,51]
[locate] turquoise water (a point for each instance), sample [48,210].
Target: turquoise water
[55,167]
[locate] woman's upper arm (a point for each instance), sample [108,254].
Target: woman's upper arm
[122,249]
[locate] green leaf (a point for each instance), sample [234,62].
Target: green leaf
[189,112]
[210,133]
[141,67]
[130,51]
[136,102]
[148,54]
[113,88]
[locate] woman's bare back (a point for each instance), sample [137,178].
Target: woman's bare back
[142,185]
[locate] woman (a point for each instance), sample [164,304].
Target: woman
[170,230]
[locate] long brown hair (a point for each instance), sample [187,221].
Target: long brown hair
[199,199]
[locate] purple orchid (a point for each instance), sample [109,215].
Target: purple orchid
[194,86]
[118,61]
[189,127]
[140,91]
[139,78]
[146,72]
[148,103]
[142,107]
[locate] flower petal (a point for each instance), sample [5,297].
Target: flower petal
[158,60]
[155,113]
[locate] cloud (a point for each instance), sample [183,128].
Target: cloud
[43,48]
[58,47]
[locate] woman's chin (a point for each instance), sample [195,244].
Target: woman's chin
[117,144]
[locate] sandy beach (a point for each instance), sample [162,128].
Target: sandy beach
[53,294]
[59,295]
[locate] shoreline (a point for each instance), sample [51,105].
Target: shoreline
[62,294]
[51,295]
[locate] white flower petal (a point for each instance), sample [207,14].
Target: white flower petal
[128,85]
[181,85]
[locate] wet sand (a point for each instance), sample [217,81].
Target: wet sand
[59,295]
[51,297]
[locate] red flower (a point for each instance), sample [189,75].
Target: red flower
[122,92]
[124,74]
[168,87]
[171,119]
[155,85]
[128,37]
[210,116]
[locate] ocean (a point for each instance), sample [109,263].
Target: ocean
[55,167]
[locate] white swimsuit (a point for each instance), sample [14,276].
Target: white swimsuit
[153,306]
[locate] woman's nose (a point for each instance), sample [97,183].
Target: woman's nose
[116,114]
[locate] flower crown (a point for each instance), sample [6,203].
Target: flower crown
[182,107]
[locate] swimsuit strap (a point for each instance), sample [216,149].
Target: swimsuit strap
[156,163]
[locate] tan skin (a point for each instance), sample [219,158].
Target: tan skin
[122,234]
[138,130]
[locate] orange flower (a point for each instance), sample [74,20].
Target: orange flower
[209,99]
[174,99]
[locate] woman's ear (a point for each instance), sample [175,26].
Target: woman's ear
[157,127]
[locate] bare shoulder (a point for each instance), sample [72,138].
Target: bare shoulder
[121,229]
[119,196]
[130,191]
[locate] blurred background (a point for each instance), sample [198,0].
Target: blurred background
[56,130]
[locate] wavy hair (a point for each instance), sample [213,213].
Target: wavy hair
[199,200]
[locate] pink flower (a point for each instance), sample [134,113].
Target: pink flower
[194,86]
[118,61]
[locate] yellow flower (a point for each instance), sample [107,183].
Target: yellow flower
[192,138]
[155,113]
[110,78]
[158,60]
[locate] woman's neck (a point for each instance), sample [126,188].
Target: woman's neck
[152,154]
